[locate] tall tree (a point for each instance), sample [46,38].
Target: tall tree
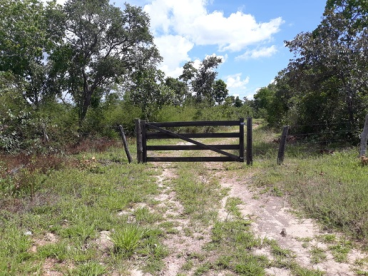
[102,43]
[220,91]
[24,42]
[201,81]
[150,92]
[330,71]
[180,89]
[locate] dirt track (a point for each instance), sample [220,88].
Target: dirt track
[271,216]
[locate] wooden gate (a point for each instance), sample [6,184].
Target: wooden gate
[151,131]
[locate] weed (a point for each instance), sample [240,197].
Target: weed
[329,238]
[340,252]
[231,206]
[318,255]
[187,266]
[143,215]
[127,239]
[277,251]
[334,193]
[89,269]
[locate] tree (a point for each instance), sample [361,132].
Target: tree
[150,92]
[24,42]
[180,89]
[202,80]
[329,73]
[238,102]
[189,72]
[220,91]
[263,98]
[101,44]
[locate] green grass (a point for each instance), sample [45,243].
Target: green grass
[318,255]
[75,204]
[329,188]
[200,198]
[95,192]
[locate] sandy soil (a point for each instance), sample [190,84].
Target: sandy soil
[272,218]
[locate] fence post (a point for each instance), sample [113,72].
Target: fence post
[281,154]
[241,140]
[144,141]
[125,144]
[138,135]
[363,138]
[249,142]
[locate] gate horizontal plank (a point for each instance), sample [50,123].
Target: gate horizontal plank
[157,135]
[197,123]
[190,159]
[192,147]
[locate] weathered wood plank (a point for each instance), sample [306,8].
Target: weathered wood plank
[281,153]
[190,159]
[191,147]
[125,143]
[363,138]
[144,141]
[241,140]
[155,135]
[234,157]
[138,135]
[249,141]
[196,123]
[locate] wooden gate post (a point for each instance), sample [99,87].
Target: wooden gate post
[241,139]
[281,154]
[249,142]
[138,135]
[144,141]
[125,144]
[363,138]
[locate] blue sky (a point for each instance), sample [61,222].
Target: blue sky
[248,34]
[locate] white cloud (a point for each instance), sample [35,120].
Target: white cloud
[190,18]
[197,63]
[258,53]
[174,49]
[235,81]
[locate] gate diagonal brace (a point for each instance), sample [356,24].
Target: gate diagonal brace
[234,157]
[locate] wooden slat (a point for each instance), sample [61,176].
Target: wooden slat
[190,159]
[241,140]
[144,141]
[192,147]
[249,141]
[156,135]
[196,123]
[234,157]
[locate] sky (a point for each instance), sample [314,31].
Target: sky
[249,35]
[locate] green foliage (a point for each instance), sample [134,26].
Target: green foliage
[202,80]
[326,82]
[334,193]
[150,93]
[24,40]
[220,91]
[99,53]
[127,239]
[89,269]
